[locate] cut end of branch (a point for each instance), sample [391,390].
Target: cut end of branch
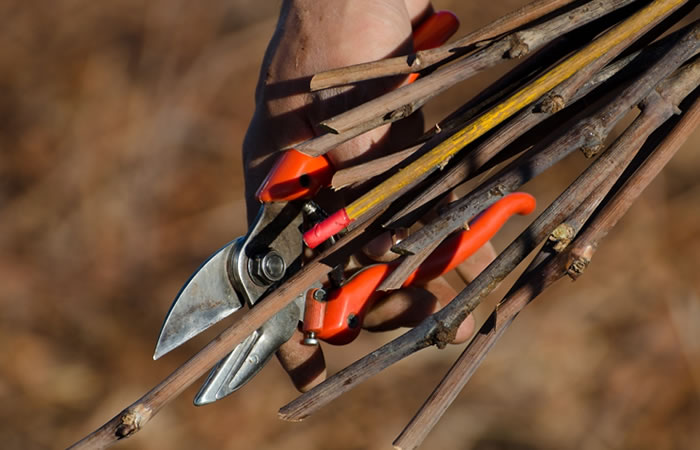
[320,81]
[581,258]
[287,417]
[328,128]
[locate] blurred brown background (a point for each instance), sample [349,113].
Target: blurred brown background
[120,132]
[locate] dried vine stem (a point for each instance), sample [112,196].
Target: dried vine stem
[509,179]
[421,60]
[585,246]
[495,92]
[362,172]
[439,328]
[526,120]
[588,133]
[514,79]
[404,101]
[436,158]
[530,285]
[539,276]
[135,416]
[547,55]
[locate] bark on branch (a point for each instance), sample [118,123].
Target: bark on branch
[404,101]
[439,328]
[423,59]
[587,134]
[542,273]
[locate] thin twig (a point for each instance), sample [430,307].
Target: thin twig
[530,285]
[426,58]
[404,101]
[515,78]
[507,84]
[439,329]
[362,172]
[589,132]
[539,277]
[587,243]
[527,119]
[438,157]
[134,417]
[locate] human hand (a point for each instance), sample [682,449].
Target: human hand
[313,36]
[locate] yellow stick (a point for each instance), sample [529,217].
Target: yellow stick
[448,148]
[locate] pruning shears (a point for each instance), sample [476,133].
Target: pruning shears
[245,270]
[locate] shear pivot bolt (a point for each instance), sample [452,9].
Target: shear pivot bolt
[273,266]
[310,338]
[268,268]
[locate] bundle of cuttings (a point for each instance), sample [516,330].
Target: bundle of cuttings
[585,66]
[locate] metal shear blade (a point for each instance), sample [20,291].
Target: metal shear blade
[253,266]
[251,355]
[206,298]
[241,272]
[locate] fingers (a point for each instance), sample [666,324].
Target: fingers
[445,293]
[379,248]
[418,10]
[404,308]
[374,143]
[304,363]
[311,37]
[477,262]
[409,306]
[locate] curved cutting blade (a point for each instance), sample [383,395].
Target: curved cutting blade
[206,298]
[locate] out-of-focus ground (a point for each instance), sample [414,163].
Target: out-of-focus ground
[120,132]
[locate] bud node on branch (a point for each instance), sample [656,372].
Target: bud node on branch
[400,113]
[130,422]
[518,48]
[552,104]
[561,237]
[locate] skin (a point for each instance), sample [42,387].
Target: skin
[312,36]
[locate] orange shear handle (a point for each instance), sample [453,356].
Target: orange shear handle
[296,175]
[338,320]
